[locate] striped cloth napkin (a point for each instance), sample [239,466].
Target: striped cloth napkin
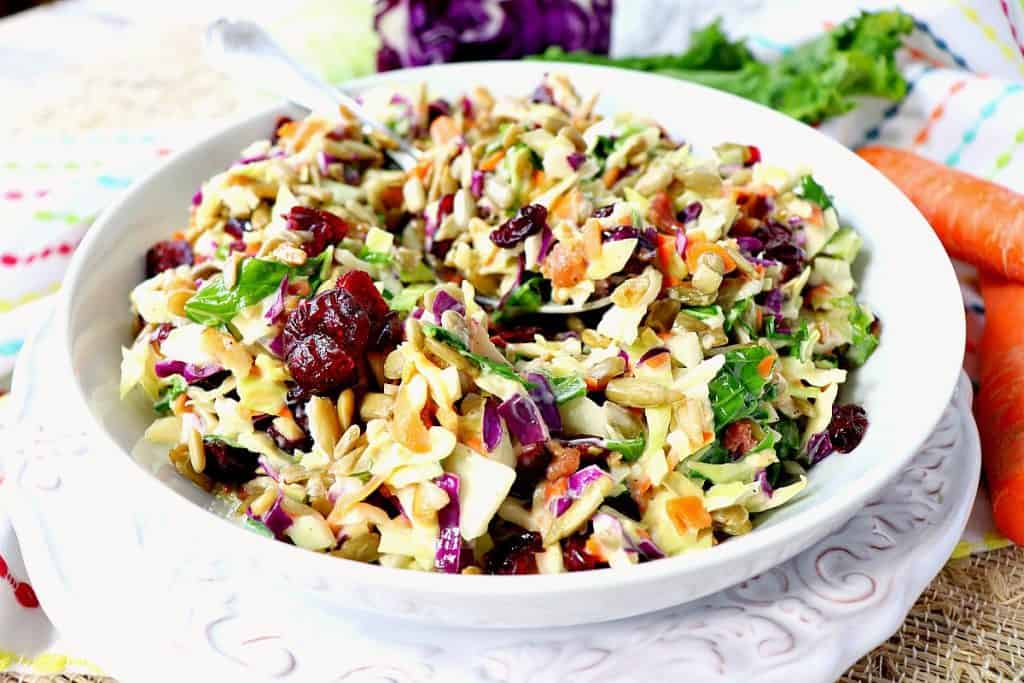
[965,108]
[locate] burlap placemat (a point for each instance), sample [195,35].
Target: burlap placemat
[968,624]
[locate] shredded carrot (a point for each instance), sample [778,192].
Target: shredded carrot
[178,235]
[306,131]
[422,169]
[694,250]
[688,514]
[592,243]
[669,262]
[539,178]
[764,368]
[287,129]
[611,176]
[556,488]
[252,248]
[443,130]
[178,407]
[594,548]
[476,444]
[284,412]
[491,162]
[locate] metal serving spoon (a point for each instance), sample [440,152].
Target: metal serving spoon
[246,52]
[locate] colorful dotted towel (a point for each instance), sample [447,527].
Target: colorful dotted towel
[965,108]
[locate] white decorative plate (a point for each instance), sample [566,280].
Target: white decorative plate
[102,571]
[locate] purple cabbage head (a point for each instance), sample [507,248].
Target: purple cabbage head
[418,32]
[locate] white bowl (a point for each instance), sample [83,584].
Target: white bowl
[906,279]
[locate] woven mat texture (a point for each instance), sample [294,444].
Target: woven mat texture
[968,624]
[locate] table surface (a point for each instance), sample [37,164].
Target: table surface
[101,64]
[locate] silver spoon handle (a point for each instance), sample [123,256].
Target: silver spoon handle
[245,51]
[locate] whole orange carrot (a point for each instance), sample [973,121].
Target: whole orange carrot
[999,406]
[977,221]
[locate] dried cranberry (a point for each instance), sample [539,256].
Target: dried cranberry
[387,501]
[530,220]
[847,427]
[445,205]
[753,155]
[167,254]
[625,504]
[391,333]
[514,335]
[335,313]
[361,287]
[738,438]
[228,464]
[439,248]
[514,554]
[326,227]
[531,467]
[575,555]
[237,228]
[318,364]
[438,107]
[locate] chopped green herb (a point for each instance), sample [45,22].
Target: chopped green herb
[172,391]
[864,342]
[526,298]
[738,389]
[567,388]
[703,312]
[486,364]
[629,449]
[258,527]
[407,299]
[813,192]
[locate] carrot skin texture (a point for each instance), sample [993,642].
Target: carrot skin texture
[999,406]
[976,220]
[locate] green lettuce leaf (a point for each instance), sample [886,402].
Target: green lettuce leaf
[484,363]
[629,449]
[172,391]
[813,82]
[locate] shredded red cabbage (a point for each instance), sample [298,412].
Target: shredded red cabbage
[819,447]
[251,160]
[276,345]
[766,487]
[269,469]
[576,160]
[197,198]
[476,184]
[449,541]
[559,505]
[524,420]
[276,519]
[681,243]
[580,480]
[547,239]
[276,311]
[544,398]
[491,428]
[446,302]
[191,372]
